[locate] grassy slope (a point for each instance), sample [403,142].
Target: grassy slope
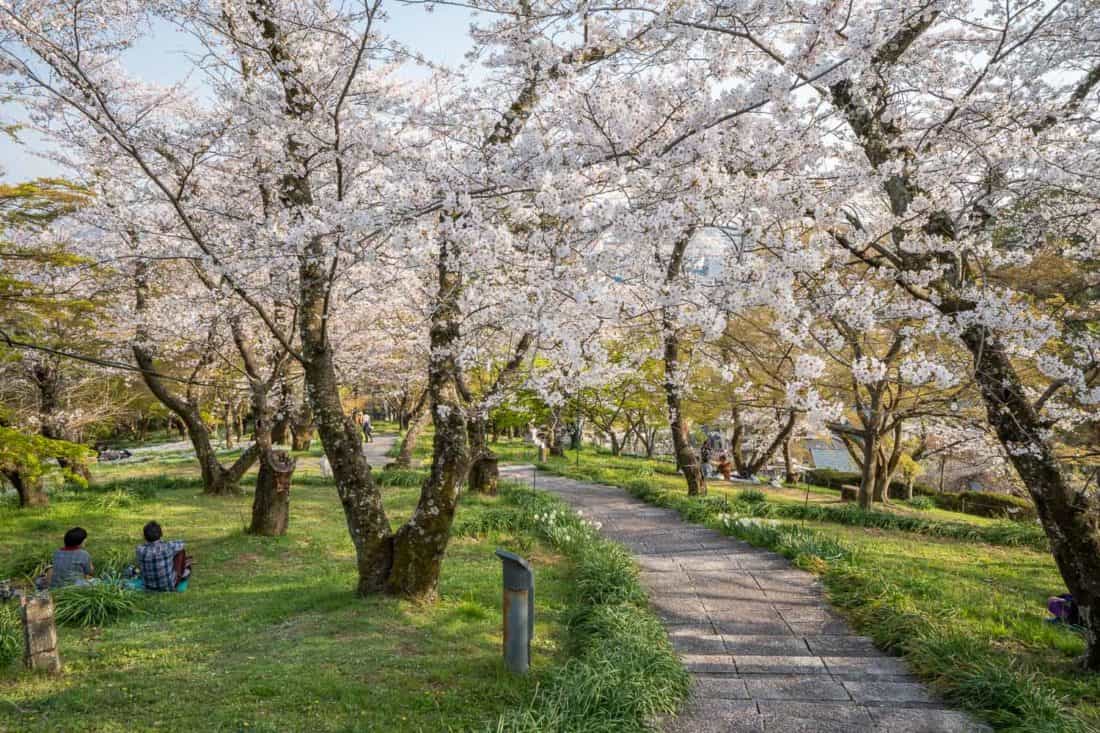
[270,636]
[969,615]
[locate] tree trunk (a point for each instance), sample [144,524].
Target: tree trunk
[419,545]
[368,525]
[788,464]
[216,480]
[1070,518]
[280,430]
[271,503]
[687,460]
[759,460]
[412,435]
[868,474]
[30,491]
[483,473]
[301,436]
[227,415]
[557,435]
[882,486]
[616,446]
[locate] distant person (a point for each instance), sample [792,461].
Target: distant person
[164,565]
[704,456]
[72,565]
[368,429]
[724,466]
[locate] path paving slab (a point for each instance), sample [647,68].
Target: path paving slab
[766,652]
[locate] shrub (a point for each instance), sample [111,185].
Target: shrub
[400,477]
[830,478]
[94,605]
[751,496]
[11,635]
[495,519]
[30,564]
[982,504]
[923,503]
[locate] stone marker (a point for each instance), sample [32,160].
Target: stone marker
[39,634]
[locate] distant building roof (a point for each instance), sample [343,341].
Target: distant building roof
[830,454]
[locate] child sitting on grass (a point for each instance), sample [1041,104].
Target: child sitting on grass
[72,565]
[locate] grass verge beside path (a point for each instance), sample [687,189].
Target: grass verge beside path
[967,615]
[621,673]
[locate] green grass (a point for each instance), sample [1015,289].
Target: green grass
[622,672]
[270,635]
[962,598]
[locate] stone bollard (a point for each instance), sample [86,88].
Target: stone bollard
[39,633]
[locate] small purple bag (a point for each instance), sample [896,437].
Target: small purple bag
[1064,609]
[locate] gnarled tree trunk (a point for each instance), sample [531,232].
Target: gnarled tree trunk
[419,544]
[362,502]
[271,503]
[30,490]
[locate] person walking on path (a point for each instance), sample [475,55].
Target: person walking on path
[368,429]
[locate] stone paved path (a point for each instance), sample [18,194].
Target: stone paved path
[764,648]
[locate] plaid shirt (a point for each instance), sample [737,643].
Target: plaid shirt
[155,561]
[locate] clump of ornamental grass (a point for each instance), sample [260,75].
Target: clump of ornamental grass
[94,605]
[11,634]
[622,672]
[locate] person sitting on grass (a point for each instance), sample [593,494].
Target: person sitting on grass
[72,565]
[724,466]
[164,565]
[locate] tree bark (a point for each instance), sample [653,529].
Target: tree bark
[227,420]
[419,544]
[216,479]
[686,458]
[483,473]
[362,502]
[788,464]
[412,435]
[868,466]
[1070,518]
[30,491]
[271,503]
[301,435]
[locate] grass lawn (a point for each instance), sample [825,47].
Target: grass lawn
[270,636]
[969,616]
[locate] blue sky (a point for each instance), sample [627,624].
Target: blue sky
[441,36]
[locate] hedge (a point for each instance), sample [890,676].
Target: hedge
[975,503]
